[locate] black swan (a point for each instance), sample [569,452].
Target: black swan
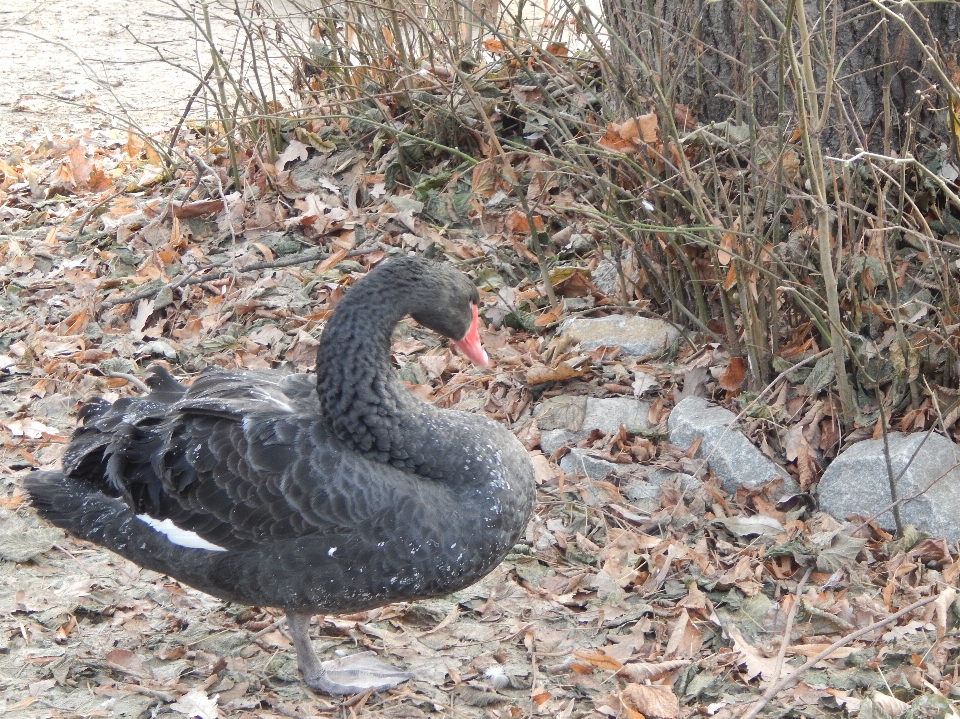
[327,495]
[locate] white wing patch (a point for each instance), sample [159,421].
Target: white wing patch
[182,537]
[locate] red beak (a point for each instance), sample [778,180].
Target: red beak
[470,344]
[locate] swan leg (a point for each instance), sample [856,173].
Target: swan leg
[346,675]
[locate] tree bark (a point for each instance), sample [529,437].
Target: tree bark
[726,60]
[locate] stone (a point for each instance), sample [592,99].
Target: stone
[635,335]
[683,480]
[580,461]
[856,483]
[568,419]
[731,456]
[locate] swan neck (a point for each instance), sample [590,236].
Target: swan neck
[362,400]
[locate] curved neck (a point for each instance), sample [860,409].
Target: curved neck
[363,401]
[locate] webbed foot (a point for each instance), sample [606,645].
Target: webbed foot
[354,674]
[345,675]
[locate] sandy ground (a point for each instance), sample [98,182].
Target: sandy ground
[73,64]
[68,65]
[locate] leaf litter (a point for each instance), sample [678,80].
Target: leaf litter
[696,601]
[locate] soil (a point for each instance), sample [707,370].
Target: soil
[76,64]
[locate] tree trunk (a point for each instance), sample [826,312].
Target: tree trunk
[727,60]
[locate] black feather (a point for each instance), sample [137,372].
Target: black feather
[335,493]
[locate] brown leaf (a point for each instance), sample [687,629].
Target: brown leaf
[727,244]
[494,46]
[572,284]
[654,701]
[484,179]
[543,470]
[332,260]
[540,374]
[547,318]
[685,639]
[756,663]
[303,352]
[125,662]
[612,141]
[732,377]
[695,598]
[643,672]
[517,221]
[684,117]
[598,658]
[63,631]
[436,364]
[528,433]
[648,125]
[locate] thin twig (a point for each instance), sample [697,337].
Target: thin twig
[153,291]
[200,172]
[89,214]
[138,383]
[221,267]
[186,110]
[789,681]
[787,630]
[82,565]
[266,630]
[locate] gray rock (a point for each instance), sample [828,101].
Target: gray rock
[732,457]
[683,480]
[606,277]
[563,412]
[580,461]
[565,419]
[643,496]
[856,483]
[638,490]
[634,335]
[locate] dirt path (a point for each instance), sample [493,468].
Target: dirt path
[70,65]
[76,64]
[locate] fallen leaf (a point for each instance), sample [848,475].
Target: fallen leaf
[196,703]
[125,662]
[539,374]
[651,701]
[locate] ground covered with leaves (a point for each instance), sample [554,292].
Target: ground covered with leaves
[695,604]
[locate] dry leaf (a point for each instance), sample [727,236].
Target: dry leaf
[756,663]
[643,672]
[599,659]
[125,662]
[685,639]
[196,703]
[731,379]
[651,701]
[539,374]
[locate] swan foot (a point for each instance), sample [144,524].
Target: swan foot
[347,675]
[354,674]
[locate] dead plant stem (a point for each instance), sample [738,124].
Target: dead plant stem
[792,679]
[811,122]
[788,629]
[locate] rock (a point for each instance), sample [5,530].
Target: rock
[561,412]
[634,335]
[732,457]
[606,278]
[641,495]
[683,480]
[856,483]
[565,419]
[580,461]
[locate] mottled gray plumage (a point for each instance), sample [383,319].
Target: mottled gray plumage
[329,494]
